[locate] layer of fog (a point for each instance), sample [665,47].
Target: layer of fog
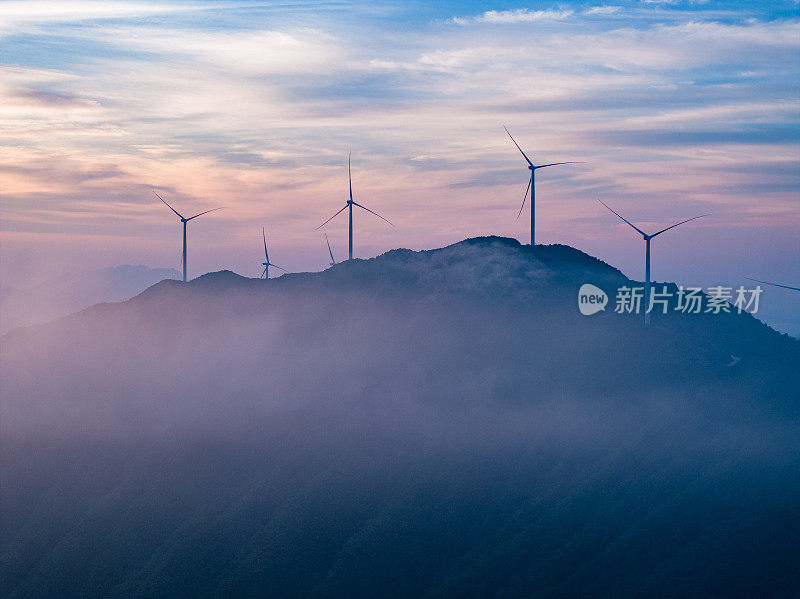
[285,409]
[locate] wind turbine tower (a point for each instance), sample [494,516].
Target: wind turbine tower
[647,239]
[532,186]
[349,206]
[266,264]
[184,221]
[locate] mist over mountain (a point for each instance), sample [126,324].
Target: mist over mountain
[441,423]
[44,300]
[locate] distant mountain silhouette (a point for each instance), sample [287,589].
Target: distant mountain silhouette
[440,423]
[23,306]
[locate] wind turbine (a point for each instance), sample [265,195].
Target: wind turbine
[532,186]
[330,251]
[184,221]
[267,264]
[647,239]
[774,284]
[349,205]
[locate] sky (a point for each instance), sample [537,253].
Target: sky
[677,108]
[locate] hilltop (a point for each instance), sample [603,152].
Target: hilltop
[481,263]
[506,286]
[442,423]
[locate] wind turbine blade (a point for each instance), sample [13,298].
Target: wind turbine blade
[525,197]
[349,177]
[516,144]
[331,218]
[773,284]
[373,212]
[263,272]
[168,206]
[264,235]
[680,223]
[330,251]
[206,212]
[520,149]
[557,163]
[276,266]
[625,219]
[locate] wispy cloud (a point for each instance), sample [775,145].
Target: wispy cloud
[257,51]
[15,14]
[604,10]
[518,15]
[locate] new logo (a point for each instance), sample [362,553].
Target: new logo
[591,299]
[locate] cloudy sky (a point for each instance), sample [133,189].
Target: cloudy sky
[677,108]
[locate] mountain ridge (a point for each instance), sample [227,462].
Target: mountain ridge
[556,264]
[485,267]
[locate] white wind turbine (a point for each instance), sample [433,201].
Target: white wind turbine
[184,221]
[647,239]
[349,205]
[266,264]
[532,186]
